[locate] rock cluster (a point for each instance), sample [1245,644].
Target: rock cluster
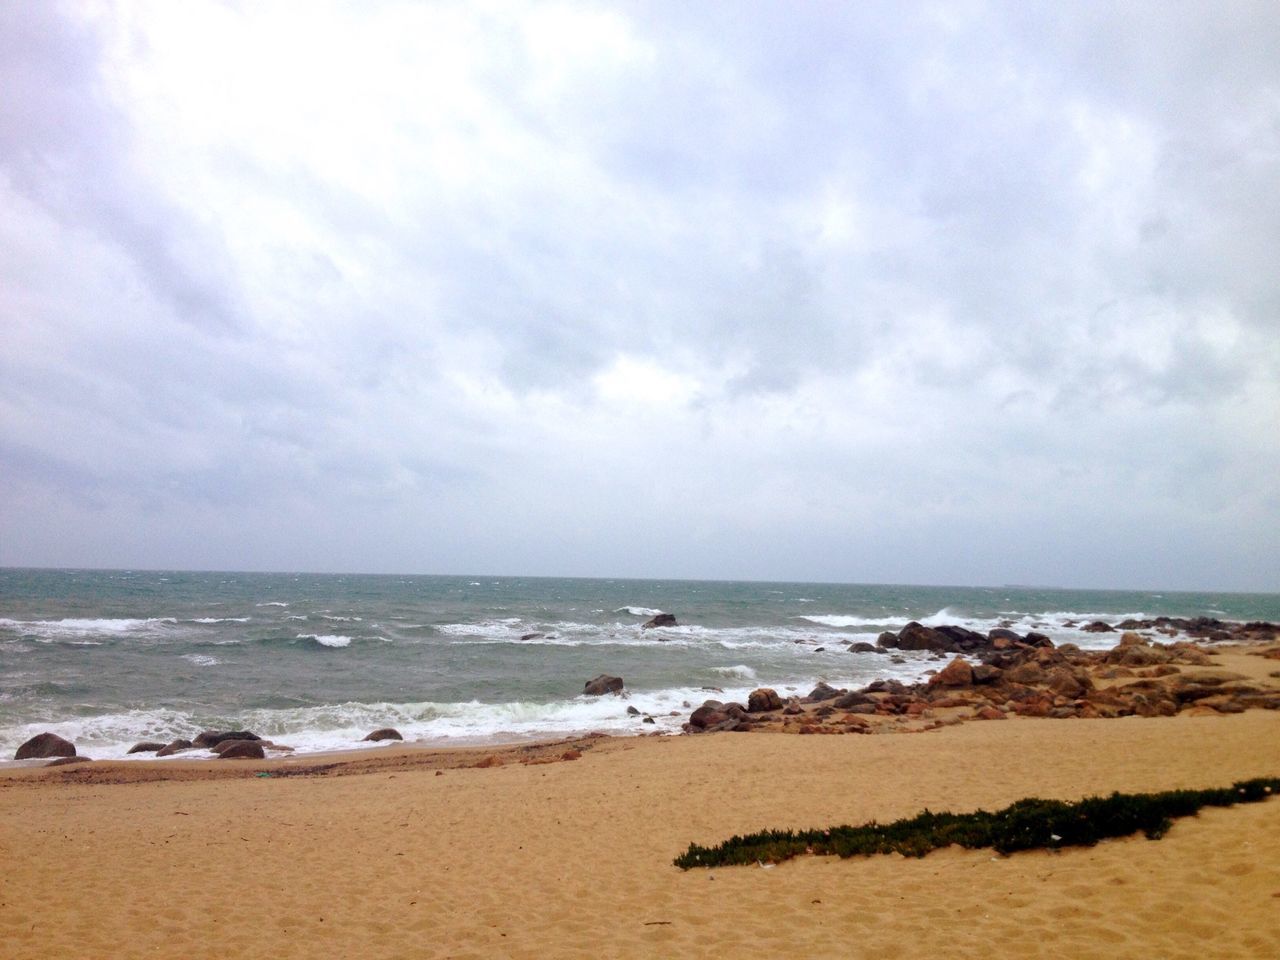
[1015,676]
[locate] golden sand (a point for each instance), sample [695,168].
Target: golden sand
[414,856]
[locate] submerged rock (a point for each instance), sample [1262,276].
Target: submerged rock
[601,685]
[660,620]
[211,738]
[177,746]
[386,733]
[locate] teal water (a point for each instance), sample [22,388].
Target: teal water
[107,658]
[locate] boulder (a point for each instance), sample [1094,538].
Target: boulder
[1065,683]
[146,747]
[176,746]
[863,647]
[386,733]
[986,673]
[957,673]
[961,639]
[763,700]
[916,636]
[660,620]
[1098,626]
[709,714]
[44,745]
[601,685]
[989,713]
[211,738]
[1003,633]
[63,761]
[823,691]
[243,750]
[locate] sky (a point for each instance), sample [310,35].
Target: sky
[957,293]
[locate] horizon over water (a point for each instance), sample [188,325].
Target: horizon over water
[107,658]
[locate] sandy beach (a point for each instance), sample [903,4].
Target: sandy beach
[424,853]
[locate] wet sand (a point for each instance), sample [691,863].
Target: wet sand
[421,853]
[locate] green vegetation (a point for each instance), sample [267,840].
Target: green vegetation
[1024,825]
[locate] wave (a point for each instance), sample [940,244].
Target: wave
[85,627]
[273,603]
[836,620]
[201,659]
[210,620]
[327,639]
[639,611]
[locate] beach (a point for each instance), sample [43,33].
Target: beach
[474,853]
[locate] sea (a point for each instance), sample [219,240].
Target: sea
[108,658]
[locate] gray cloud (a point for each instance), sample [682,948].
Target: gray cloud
[839,291]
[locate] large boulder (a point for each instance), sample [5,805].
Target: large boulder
[957,673]
[1098,626]
[386,733]
[601,685]
[45,745]
[763,700]
[242,750]
[961,639]
[660,620]
[916,636]
[176,746]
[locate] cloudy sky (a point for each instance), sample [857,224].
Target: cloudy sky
[966,292]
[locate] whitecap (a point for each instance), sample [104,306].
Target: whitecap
[639,611]
[273,603]
[220,620]
[327,639]
[201,659]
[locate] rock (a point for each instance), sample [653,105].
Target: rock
[989,713]
[242,750]
[763,700]
[1029,673]
[601,685]
[854,698]
[526,637]
[146,747]
[386,733]
[887,639]
[632,712]
[1129,639]
[1065,683]
[648,720]
[961,639]
[63,761]
[792,707]
[957,673]
[660,620]
[1038,640]
[708,715]
[176,746]
[823,691]
[44,745]
[986,673]
[1003,633]
[863,647]
[916,636]
[211,738]
[1098,627]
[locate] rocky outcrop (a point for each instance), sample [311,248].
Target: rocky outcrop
[601,685]
[660,620]
[43,746]
[386,733]
[823,691]
[1098,626]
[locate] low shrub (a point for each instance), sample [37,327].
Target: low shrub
[1027,824]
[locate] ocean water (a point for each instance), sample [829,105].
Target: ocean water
[108,658]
